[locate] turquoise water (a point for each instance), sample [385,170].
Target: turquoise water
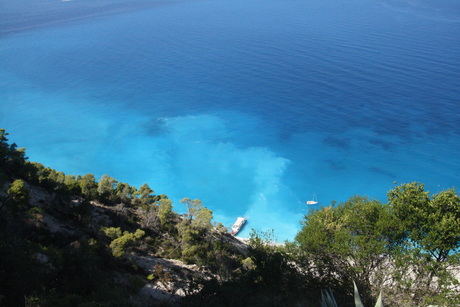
[251,106]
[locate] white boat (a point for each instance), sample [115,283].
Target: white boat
[314,201]
[238,225]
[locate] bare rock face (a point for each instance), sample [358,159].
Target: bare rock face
[39,197]
[170,278]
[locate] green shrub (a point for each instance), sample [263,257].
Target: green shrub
[122,244]
[112,232]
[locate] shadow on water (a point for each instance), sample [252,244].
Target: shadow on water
[380,171]
[339,142]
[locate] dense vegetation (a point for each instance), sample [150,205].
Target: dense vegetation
[69,241]
[74,241]
[409,248]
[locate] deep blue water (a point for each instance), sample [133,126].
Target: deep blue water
[251,106]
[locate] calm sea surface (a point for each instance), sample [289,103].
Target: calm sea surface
[251,106]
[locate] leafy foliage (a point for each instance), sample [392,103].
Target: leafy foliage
[349,242]
[88,186]
[106,187]
[18,192]
[193,206]
[120,246]
[203,218]
[431,223]
[145,193]
[70,264]
[12,158]
[267,277]
[407,246]
[165,212]
[432,227]
[112,232]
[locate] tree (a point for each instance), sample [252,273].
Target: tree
[4,146]
[12,158]
[72,184]
[127,241]
[58,178]
[198,214]
[125,192]
[47,177]
[18,193]
[203,218]
[145,193]
[432,228]
[193,206]
[272,273]
[88,186]
[106,187]
[431,223]
[112,232]
[349,242]
[189,238]
[165,212]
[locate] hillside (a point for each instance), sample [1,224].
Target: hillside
[74,241]
[69,240]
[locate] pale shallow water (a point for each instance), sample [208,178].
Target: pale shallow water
[251,106]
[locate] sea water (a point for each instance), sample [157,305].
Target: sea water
[252,106]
